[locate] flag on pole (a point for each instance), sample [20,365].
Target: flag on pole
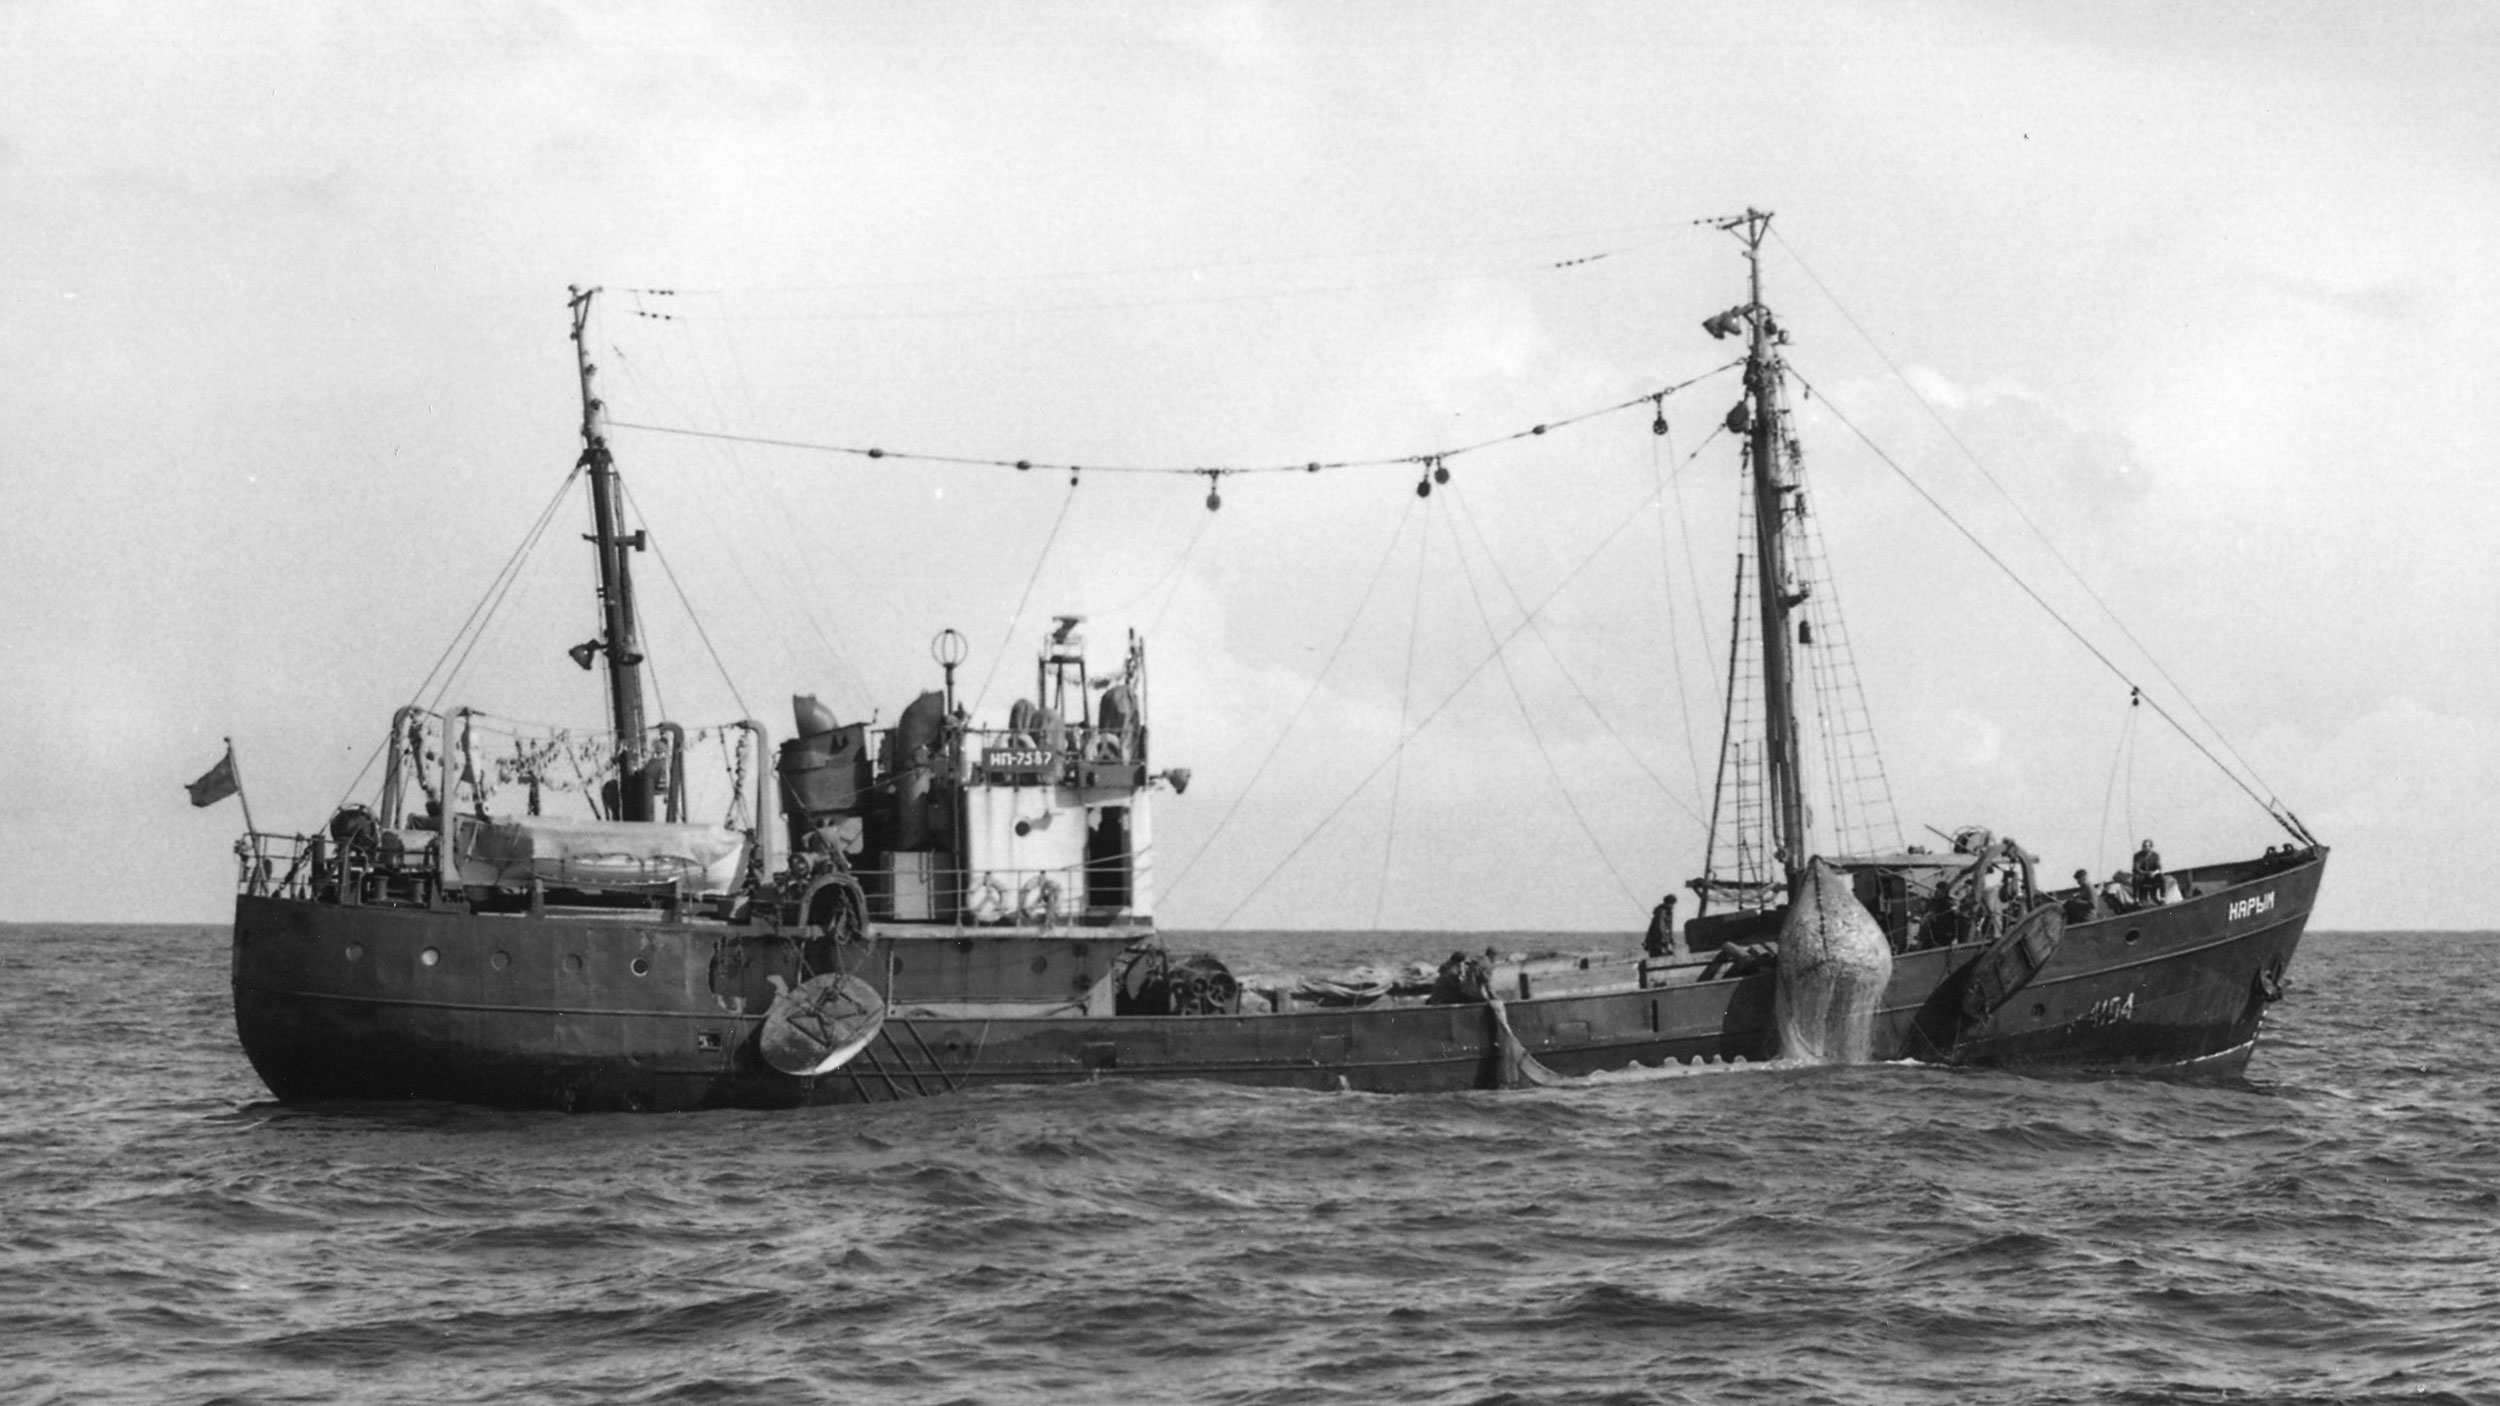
[218,784]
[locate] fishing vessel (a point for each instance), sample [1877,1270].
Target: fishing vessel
[949,903]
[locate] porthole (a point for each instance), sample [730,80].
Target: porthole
[2133,934]
[2038,1009]
[572,961]
[641,967]
[1040,965]
[355,951]
[430,957]
[500,960]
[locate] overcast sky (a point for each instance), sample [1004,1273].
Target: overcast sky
[2209,291]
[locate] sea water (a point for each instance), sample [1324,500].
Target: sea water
[2326,1230]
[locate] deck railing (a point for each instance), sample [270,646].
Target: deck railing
[930,890]
[316,867]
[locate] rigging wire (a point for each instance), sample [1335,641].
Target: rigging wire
[1313,832]
[1406,701]
[493,599]
[636,619]
[1180,577]
[1312,692]
[785,546]
[1016,621]
[692,617]
[1485,548]
[1536,734]
[846,667]
[2026,519]
[1212,471]
[1665,439]
[1860,796]
[472,632]
[488,602]
[2123,754]
[2037,599]
[2132,753]
[1173,573]
[1727,744]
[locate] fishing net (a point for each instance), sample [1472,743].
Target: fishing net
[1833,967]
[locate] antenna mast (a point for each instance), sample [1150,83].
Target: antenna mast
[616,588]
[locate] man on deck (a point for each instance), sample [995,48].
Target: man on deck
[2148,874]
[1662,940]
[2081,906]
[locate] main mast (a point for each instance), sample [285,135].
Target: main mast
[616,588]
[1772,509]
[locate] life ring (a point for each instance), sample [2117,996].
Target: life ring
[1105,747]
[989,900]
[836,905]
[1037,898]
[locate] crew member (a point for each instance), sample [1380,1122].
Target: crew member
[2148,874]
[1988,888]
[1662,940]
[2021,863]
[2081,907]
[2119,892]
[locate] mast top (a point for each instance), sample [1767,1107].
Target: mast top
[1750,226]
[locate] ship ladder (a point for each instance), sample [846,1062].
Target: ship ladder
[918,1075]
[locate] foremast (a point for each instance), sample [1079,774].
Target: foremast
[1765,423]
[619,643]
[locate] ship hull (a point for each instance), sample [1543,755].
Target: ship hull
[344,1003]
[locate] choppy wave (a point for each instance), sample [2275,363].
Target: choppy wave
[2328,1230]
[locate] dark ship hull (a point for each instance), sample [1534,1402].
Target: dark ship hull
[630,1012]
[965,906]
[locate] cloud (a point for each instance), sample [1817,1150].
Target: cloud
[315,376]
[1981,743]
[2028,443]
[2403,794]
[1239,36]
[2384,301]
